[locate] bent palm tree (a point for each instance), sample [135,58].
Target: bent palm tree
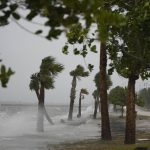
[42,80]
[81,96]
[96,98]
[97,84]
[77,73]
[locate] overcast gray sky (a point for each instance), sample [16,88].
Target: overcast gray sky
[23,52]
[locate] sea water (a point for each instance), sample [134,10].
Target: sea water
[18,127]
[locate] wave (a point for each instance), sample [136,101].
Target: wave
[24,122]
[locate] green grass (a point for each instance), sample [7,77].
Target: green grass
[116,144]
[97,144]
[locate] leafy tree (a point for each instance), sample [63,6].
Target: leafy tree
[97,81]
[145,95]
[100,14]
[132,41]
[58,14]
[76,74]
[118,96]
[81,97]
[42,80]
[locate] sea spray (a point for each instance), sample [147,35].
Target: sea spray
[18,124]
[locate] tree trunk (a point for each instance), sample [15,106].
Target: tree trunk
[47,117]
[122,111]
[96,104]
[114,108]
[41,110]
[40,119]
[72,98]
[105,123]
[130,113]
[79,108]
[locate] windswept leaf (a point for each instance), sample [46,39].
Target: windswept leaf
[65,50]
[76,51]
[13,7]
[38,32]
[90,67]
[16,16]
[93,49]
[31,15]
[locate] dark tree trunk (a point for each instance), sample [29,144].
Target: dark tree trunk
[40,119]
[105,123]
[96,104]
[72,98]
[79,108]
[130,113]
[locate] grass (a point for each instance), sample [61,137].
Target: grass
[116,144]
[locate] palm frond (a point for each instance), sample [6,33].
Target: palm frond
[49,66]
[84,91]
[79,72]
[95,93]
[47,81]
[97,82]
[34,83]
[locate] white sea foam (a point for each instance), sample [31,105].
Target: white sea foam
[18,131]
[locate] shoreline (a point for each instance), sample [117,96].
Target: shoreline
[98,144]
[117,143]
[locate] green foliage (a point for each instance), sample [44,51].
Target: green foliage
[97,81]
[84,91]
[49,69]
[65,49]
[90,67]
[7,9]
[132,40]
[16,15]
[118,96]
[53,33]
[5,75]
[34,83]
[77,36]
[31,15]
[79,72]
[139,101]
[144,94]
[95,94]
[38,32]
[93,49]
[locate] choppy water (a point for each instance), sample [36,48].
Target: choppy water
[18,127]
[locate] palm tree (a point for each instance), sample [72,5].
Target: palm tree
[97,92]
[5,75]
[81,96]
[77,73]
[96,98]
[42,80]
